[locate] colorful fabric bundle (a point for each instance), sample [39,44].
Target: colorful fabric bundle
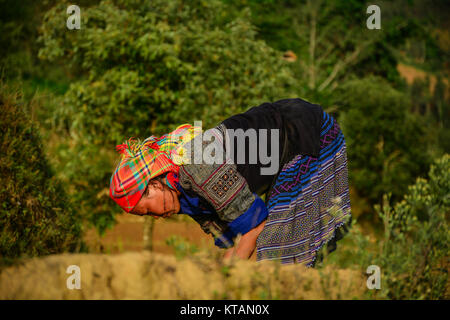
[142,161]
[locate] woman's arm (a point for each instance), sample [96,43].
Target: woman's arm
[247,244]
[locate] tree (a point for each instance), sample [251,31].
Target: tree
[386,144]
[145,68]
[35,214]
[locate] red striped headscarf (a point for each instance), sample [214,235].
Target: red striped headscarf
[142,161]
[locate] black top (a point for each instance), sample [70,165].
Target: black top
[299,123]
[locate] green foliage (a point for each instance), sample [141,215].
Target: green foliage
[329,38]
[145,68]
[19,21]
[181,246]
[433,106]
[35,214]
[164,62]
[386,144]
[413,256]
[15,23]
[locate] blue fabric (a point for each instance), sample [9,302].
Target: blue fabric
[244,223]
[250,218]
[225,240]
[190,205]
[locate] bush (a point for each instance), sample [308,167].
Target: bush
[413,256]
[145,68]
[35,214]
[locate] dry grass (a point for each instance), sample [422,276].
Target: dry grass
[145,275]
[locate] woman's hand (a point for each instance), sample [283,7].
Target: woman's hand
[247,244]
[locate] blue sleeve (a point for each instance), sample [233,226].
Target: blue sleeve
[250,219]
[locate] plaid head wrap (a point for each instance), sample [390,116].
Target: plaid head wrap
[142,161]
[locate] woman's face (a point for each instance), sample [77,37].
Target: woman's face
[158,201]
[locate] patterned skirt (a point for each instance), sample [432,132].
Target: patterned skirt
[309,205]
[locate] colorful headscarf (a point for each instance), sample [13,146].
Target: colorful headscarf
[142,161]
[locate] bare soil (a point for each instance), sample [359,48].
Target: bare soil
[128,235]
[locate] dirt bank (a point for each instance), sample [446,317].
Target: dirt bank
[145,275]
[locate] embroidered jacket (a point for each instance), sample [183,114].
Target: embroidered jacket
[216,195]
[223,197]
